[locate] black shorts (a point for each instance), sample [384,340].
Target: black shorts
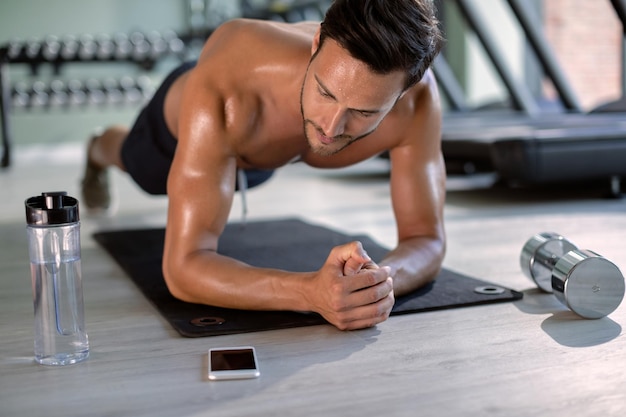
[149,148]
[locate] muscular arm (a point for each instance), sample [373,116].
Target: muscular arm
[418,196]
[201,187]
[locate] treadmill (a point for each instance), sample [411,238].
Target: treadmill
[527,146]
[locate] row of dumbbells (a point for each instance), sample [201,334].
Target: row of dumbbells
[74,92]
[137,46]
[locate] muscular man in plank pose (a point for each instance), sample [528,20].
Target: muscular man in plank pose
[263,94]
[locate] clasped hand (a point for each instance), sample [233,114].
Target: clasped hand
[351,291]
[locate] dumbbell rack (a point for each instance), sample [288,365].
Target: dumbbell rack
[138,48]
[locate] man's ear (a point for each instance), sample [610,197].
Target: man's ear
[316,41]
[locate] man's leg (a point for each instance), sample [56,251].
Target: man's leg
[145,151]
[103,151]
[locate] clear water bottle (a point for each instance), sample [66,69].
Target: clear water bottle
[53,229]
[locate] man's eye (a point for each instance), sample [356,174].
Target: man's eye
[323,93]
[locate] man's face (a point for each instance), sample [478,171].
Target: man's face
[342,100]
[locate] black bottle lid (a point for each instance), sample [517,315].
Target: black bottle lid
[51,208]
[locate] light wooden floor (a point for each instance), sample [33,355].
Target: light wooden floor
[532,357]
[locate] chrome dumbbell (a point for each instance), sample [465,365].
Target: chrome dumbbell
[587,283]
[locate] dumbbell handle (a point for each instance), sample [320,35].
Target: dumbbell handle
[539,256]
[546,258]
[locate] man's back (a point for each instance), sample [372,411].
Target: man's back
[249,75]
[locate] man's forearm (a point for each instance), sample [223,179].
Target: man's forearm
[414,263]
[349,290]
[209,278]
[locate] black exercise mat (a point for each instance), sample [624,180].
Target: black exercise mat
[277,244]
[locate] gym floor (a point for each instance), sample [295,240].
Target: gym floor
[463,361]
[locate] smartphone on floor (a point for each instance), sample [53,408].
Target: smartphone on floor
[233,363]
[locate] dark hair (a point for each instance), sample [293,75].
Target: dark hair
[387,35]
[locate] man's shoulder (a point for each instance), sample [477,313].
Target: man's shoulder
[249,43]
[422,97]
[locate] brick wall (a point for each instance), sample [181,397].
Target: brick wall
[586,36]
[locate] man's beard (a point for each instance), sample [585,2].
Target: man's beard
[339,141]
[326,150]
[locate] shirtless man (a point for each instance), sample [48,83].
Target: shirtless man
[263,94]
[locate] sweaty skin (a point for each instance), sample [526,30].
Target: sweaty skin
[248,104]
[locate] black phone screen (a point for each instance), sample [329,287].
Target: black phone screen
[232,359]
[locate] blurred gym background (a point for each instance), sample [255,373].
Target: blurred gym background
[69,66]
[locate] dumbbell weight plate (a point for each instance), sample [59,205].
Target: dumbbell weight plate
[539,255]
[590,285]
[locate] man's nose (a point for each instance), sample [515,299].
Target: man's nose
[335,122]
